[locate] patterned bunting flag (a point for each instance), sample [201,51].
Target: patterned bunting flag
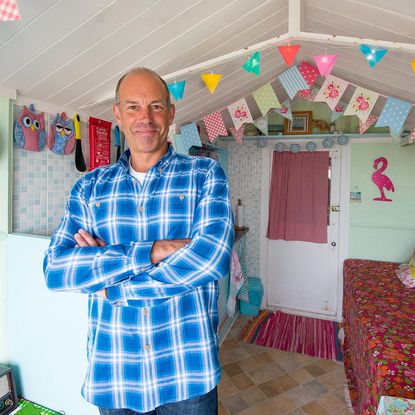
[9,10]
[265,98]
[177,89]
[292,81]
[310,73]
[215,126]
[372,54]
[362,103]
[413,64]
[262,124]
[338,111]
[211,80]
[325,63]
[238,133]
[190,136]
[240,113]
[253,64]
[393,115]
[363,126]
[413,136]
[285,110]
[331,91]
[289,53]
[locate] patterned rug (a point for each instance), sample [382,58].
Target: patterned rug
[312,336]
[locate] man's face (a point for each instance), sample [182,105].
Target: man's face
[143,114]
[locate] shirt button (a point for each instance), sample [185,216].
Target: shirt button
[97,204]
[147,347]
[142,269]
[181,197]
[118,303]
[160,170]
[141,209]
[145,311]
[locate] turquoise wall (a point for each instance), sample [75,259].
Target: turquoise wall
[383,230]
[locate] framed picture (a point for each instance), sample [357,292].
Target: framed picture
[301,123]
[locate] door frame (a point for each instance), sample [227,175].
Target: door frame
[266,160]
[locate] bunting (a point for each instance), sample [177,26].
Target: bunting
[190,136]
[285,110]
[310,74]
[262,124]
[363,126]
[9,10]
[362,103]
[331,91]
[238,133]
[215,126]
[325,63]
[177,89]
[211,80]
[266,99]
[240,113]
[253,64]
[338,111]
[393,115]
[372,54]
[292,81]
[289,53]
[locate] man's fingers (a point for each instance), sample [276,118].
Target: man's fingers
[83,238]
[100,242]
[88,237]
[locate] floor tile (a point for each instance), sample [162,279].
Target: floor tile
[314,389]
[233,369]
[332,403]
[264,358]
[249,364]
[314,408]
[242,381]
[301,376]
[234,403]
[281,404]
[270,388]
[226,387]
[252,396]
[286,382]
[315,370]
[259,375]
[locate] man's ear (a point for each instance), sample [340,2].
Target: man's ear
[116,111]
[172,112]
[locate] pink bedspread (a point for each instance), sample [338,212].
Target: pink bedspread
[379,347]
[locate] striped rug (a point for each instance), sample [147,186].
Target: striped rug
[312,336]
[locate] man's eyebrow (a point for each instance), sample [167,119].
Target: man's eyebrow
[159,101]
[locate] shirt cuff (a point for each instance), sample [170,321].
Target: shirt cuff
[140,256]
[115,295]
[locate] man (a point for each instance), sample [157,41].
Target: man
[147,239]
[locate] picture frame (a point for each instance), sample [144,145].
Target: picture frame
[301,123]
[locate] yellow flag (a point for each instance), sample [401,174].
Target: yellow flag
[413,65]
[211,80]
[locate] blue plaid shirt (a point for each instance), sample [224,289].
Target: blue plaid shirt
[154,340]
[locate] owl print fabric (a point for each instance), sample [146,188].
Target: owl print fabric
[29,130]
[61,138]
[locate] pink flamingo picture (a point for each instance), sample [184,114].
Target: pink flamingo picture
[381,180]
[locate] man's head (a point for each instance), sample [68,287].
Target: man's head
[144,113]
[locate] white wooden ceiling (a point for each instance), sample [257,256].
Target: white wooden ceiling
[70,54]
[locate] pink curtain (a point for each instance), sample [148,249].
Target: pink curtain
[299,196]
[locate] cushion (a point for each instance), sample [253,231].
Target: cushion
[406,273]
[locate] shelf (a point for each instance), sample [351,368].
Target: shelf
[306,136]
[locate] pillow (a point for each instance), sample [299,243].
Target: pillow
[406,273]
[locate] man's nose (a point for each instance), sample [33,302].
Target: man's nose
[145,115]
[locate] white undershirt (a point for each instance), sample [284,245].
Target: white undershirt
[137,175]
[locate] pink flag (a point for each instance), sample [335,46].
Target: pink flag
[331,91]
[238,134]
[325,63]
[364,125]
[9,10]
[215,126]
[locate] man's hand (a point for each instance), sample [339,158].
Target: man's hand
[162,249]
[83,238]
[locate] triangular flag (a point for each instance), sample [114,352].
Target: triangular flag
[338,111]
[253,64]
[363,126]
[215,126]
[413,136]
[325,63]
[262,124]
[413,65]
[190,136]
[240,113]
[289,52]
[211,80]
[9,10]
[285,110]
[331,91]
[177,89]
[238,133]
[292,81]
[266,99]
[393,115]
[310,72]
[362,103]
[372,54]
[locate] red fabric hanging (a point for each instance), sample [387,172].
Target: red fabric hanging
[299,197]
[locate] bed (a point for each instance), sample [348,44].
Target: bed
[379,324]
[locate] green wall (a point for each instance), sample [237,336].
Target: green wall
[383,230]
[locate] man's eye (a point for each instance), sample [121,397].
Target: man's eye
[157,107]
[132,108]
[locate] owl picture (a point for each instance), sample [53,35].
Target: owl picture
[29,130]
[61,138]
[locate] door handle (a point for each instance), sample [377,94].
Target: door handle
[333,244]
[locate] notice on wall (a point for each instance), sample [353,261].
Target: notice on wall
[99,143]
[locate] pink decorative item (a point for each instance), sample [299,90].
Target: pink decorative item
[381,180]
[413,135]
[363,126]
[325,63]
[238,134]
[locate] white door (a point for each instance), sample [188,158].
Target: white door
[302,276]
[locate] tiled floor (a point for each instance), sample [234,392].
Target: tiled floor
[260,380]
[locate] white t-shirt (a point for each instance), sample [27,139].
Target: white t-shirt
[137,175]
